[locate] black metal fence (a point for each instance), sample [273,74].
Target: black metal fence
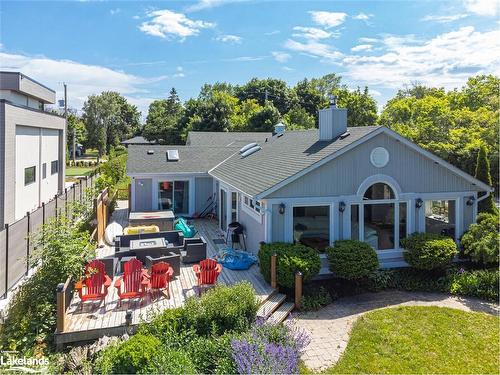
[15,247]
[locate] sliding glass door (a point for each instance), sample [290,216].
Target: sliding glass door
[174,195]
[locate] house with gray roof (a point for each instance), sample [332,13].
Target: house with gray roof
[313,187]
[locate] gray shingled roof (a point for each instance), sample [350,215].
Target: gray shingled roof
[137,141]
[281,158]
[192,159]
[225,138]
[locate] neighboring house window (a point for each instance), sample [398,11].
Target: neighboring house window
[44,171]
[174,195]
[29,175]
[54,167]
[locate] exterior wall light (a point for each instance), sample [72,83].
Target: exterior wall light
[341,206]
[470,201]
[418,203]
[282,208]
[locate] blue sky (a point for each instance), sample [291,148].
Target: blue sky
[143,48]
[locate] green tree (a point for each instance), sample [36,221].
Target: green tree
[310,97]
[75,122]
[361,107]
[265,119]
[163,123]
[483,174]
[109,118]
[278,92]
[298,118]
[213,113]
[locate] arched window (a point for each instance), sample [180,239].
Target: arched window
[379,190]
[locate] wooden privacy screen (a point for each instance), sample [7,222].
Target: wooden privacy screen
[102,213]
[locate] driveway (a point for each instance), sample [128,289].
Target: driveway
[330,327]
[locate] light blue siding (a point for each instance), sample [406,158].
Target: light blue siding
[278,225]
[203,192]
[254,231]
[414,172]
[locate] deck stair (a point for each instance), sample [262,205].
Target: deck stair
[281,313]
[271,304]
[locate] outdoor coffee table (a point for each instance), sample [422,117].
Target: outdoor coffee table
[163,219]
[153,247]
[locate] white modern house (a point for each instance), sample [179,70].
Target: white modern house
[32,146]
[314,187]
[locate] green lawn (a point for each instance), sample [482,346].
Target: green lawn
[418,340]
[78,171]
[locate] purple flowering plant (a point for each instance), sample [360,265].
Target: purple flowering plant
[269,348]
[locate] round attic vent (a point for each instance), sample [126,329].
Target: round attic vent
[379,157]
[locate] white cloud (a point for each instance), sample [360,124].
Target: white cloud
[482,7]
[446,60]
[362,16]
[228,39]
[368,40]
[136,17]
[362,47]
[274,32]
[245,58]
[288,69]
[114,11]
[281,57]
[82,79]
[179,72]
[311,33]
[315,49]
[168,24]
[445,18]
[207,4]
[328,19]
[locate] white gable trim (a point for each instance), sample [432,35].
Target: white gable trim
[369,181]
[367,137]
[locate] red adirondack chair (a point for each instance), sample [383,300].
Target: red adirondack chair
[161,274]
[94,285]
[207,272]
[133,283]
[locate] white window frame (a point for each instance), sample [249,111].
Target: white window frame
[251,211]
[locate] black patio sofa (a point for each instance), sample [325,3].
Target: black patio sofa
[174,239]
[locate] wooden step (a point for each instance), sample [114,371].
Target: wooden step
[271,304]
[281,313]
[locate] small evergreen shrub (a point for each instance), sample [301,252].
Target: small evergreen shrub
[222,309]
[350,259]
[290,259]
[481,241]
[429,251]
[173,362]
[212,355]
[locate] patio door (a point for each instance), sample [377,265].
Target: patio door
[223,210]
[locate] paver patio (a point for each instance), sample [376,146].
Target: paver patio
[330,327]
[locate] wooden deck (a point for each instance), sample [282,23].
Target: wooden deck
[95,321]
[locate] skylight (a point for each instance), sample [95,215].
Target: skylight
[173,155]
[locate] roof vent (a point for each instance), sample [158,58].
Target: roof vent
[173,155]
[151,152]
[344,135]
[248,147]
[250,151]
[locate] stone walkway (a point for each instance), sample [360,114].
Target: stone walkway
[330,327]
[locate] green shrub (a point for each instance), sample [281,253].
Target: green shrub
[481,241]
[136,355]
[290,259]
[428,251]
[212,355]
[478,283]
[175,362]
[315,300]
[222,309]
[350,259]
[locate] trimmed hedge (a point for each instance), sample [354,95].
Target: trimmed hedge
[429,251]
[351,259]
[290,258]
